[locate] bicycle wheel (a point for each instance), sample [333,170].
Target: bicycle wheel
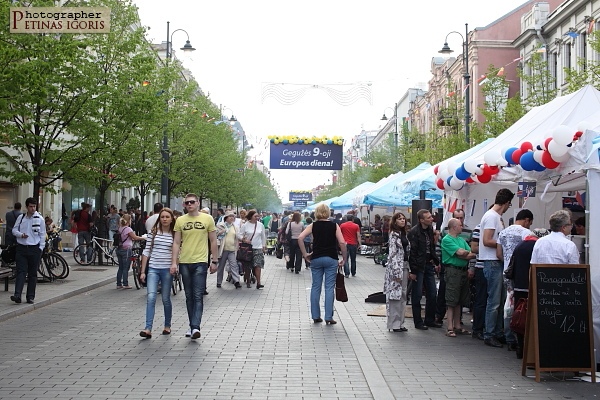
[57,265]
[77,256]
[43,269]
[174,285]
[135,267]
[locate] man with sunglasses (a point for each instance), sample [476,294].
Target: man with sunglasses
[193,232]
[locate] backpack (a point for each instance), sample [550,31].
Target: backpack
[77,216]
[116,238]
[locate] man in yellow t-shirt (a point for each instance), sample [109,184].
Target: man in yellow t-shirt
[193,231]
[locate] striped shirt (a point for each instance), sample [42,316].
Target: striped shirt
[162,250]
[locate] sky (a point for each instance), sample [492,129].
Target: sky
[384,45]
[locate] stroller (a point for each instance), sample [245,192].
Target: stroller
[271,243]
[380,254]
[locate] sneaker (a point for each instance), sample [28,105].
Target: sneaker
[195,334]
[493,342]
[188,333]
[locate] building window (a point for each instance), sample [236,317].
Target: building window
[582,41]
[566,59]
[553,65]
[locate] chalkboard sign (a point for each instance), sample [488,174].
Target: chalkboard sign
[559,319]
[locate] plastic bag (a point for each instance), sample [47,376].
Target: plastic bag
[509,305]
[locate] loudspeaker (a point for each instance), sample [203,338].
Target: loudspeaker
[419,205]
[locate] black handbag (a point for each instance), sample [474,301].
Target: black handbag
[279,251]
[340,288]
[244,252]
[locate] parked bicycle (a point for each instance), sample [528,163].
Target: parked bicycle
[53,265]
[99,246]
[136,262]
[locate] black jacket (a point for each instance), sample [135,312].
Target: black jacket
[418,248]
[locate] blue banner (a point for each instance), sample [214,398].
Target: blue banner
[301,196]
[303,156]
[300,204]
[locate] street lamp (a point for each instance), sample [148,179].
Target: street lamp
[446,50]
[164,182]
[385,118]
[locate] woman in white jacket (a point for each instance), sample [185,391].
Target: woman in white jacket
[254,232]
[227,233]
[396,274]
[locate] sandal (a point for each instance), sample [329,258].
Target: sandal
[166,331]
[463,331]
[146,334]
[450,333]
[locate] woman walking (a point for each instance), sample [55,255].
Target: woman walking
[157,268]
[126,238]
[293,231]
[323,260]
[227,251]
[396,273]
[254,232]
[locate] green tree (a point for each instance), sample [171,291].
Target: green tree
[540,84]
[588,72]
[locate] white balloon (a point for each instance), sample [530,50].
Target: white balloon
[583,126]
[444,175]
[443,167]
[563,135]
[471,166]
[492,156]
[453,166]
[537,156]
[456,183]
[557,149]
[501,162]
[561,158]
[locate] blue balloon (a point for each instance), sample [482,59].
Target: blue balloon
[539,167]
[508,155]
[300,141]
[285,141]
[461,173]
[448,180]
[527,162]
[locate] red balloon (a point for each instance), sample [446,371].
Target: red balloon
[469,180]
[579,133]
[494,169]
[516,156]
[484,178]
[526,146]
[548,161]
[482,170]
[440,184]
[436,169]
[546,142]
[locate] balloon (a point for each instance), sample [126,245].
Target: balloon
[502,162]
[486,170]
[508,155]
[469,180]
[452,166]
[471,165]
[546,142]
[557,149]
[527,161]
[435,169]
[539,167]
[548,162]
[440,184]
[537,156]
[491,156]
[526,146]
[562,158]
[516,156]
[562,135]
[494,169]
[484,178]
[444,175]
[461,173]
[456,183]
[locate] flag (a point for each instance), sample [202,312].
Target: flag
[466,87]
[500,72]
[579,199]
[481,78]
[451,94]
[541,49]
[453,206]
[484,81]
[591,26]
[517,59]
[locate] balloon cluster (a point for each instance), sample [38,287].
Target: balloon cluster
[290,139]
[554,150]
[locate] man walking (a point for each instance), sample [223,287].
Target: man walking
[351,232]
[424,264]
[30,234]
[154,217]
[491,226]
[11,218]
[193,231]
[84,222]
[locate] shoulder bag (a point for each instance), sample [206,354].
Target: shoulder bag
[519,317]
[340,288]
[244,252]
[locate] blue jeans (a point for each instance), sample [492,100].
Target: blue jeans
[155,275]
[194,284]
[428,278]
[494,315]
[480,301]
[350,260]
[123,255]
[85,237]
[322,267]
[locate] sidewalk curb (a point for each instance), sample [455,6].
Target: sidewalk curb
[21,309]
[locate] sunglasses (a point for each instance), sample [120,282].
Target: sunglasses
[189,202]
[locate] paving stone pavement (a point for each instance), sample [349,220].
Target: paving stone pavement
[80,340]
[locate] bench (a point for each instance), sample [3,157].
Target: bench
[6,273]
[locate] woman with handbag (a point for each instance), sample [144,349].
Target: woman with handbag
[156,268]
[323,260]
[227,250]
[396,273]
[253,233]
[294,229]
[126,238]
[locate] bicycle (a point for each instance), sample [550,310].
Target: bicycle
[53,265]
[98,245]
[136,262]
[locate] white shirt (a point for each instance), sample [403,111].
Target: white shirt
[510,238]
[259,240]
[555,249]
[160,252]
[33,227]
[151,221]
[491,220]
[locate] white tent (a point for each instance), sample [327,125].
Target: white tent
[581,172]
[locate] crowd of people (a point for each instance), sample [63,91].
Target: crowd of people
[471,265]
